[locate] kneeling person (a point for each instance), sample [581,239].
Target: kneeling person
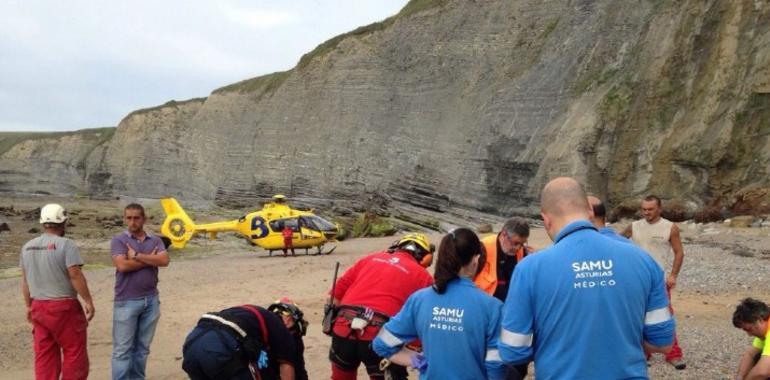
[294,320]
[753,317]
[242,342]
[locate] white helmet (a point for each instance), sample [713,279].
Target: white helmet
[53,213]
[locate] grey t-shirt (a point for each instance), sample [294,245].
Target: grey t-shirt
[45,260]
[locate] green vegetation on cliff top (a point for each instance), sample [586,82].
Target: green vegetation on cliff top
[170,103]
[9,139]
[413,7]
[265,83]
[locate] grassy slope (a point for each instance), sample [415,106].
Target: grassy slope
[170,103]
[9,139]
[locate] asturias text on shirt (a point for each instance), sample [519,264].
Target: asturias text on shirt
[590,274]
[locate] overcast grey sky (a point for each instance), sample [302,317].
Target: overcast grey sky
[74,64]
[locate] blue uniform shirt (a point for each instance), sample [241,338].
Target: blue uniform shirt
[582,307]
[459,331]
[609,232]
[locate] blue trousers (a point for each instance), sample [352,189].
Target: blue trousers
[133,327]
[209,354]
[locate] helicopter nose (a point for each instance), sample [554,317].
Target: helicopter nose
[332,233]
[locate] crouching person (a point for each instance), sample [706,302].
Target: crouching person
[753,317]
[242,343]
[294,320]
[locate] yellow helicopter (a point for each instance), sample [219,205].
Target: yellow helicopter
[263,228]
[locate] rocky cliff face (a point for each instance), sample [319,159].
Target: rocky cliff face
[149,154]
[49,163]
[459,104]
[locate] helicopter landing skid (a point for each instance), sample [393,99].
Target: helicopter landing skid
[320,251]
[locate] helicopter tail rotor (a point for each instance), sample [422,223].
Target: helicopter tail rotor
[178,226]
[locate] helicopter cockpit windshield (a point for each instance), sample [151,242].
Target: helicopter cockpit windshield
[318,224]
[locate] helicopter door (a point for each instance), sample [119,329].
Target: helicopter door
[279,224]
[308,230]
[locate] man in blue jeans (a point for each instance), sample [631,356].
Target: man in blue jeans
[136,256]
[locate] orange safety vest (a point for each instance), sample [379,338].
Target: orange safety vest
[486,280]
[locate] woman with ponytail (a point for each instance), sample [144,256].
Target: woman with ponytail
[458,324]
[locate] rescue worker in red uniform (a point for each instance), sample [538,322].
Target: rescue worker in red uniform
[367,295]
[287,233]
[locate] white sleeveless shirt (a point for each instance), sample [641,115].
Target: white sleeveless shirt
[654,238]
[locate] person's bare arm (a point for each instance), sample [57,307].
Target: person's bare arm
[78,281]
[286,370]
[676,246]
[628,232]
[761,370]
[747,361]
[27,297]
